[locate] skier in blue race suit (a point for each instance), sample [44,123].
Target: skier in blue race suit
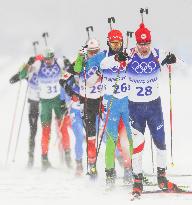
[70,94]
[145,106]
[112,67]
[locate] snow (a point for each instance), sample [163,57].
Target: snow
[19,185]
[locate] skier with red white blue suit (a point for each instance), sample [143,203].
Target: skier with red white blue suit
[145,106]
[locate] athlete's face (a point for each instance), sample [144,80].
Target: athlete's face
[91,53]
[144,48]
[115,45]
[49,61]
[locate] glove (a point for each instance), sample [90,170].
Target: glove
[14,79]
[63,107]
[62,82]
[98,72]
[169,59]
[31,60]
[66,62]
[121,56]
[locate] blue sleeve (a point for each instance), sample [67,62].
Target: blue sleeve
[63,95]
[93,64]
[74,87]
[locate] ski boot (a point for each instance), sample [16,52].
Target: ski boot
[110,178]
[137,185]
[92,171]
[128,177]
[68,158]
[45,163]
[79,168]
[164,183]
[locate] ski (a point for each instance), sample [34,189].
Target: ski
[138,196]
[167,192]
[170,175]
[151,185]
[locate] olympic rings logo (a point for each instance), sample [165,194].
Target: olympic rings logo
[50,72]
[144,67]
[115,69]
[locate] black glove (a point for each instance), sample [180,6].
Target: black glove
[71,69]
[63,107]
[98,72]
[14,78]
[169,59]
[121,56]
[62,82]
[66,62]
[31,60]
[69,90]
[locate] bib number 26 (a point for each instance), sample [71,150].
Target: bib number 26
[121,88]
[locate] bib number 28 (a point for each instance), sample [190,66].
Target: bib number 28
[144,91]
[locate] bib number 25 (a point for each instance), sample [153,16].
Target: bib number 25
[144,91]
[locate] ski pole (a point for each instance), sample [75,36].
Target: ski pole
[152,156]
[21,120]
[86,117]
[107,118]
[142,11]
[38,57]
[170,112]
[85,99]
[13,123]
[45,35]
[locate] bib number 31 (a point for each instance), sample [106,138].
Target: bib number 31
[51,89]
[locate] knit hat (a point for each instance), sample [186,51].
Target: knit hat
[115,35]
[142,34]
